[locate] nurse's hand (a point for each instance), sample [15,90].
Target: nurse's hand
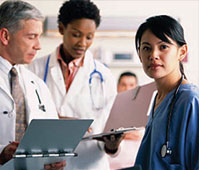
[8,152]
[55,166]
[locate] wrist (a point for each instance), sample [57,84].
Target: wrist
[110,151]
[1,161]
[2,158]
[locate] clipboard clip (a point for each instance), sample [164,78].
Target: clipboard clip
[135,92]
[40,155]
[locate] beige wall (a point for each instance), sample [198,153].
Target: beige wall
[186,10]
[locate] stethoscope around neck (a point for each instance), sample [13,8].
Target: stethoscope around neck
[165,150]
[97,103]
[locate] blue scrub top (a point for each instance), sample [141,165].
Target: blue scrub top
[183,133]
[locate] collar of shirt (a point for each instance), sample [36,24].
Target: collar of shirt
[69,71]
[5,67]
[74,63]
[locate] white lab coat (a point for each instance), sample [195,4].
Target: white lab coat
[8,109]
[77,103]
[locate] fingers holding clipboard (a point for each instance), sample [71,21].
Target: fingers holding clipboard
[115,132]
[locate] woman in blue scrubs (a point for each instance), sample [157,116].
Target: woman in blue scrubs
[171,140]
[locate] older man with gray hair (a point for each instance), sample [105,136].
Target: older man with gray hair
[20,29]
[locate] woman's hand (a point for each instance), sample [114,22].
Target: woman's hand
[65,117]
[111,142]
[55,166]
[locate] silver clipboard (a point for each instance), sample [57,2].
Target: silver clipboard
[47,141]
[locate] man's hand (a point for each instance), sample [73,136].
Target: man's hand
[55,166]
[8,152]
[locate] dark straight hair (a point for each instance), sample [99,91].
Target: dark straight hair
[163,26]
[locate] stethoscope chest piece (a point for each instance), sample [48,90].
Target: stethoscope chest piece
[165,150]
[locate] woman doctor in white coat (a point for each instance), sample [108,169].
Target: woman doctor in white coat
[81,86]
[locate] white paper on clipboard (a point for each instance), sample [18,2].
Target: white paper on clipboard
[112,132]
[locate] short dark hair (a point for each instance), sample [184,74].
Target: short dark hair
[78,9]
[162,26]
[127,73]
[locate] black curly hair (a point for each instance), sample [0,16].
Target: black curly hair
[78,9]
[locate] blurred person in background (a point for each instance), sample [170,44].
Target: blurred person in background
[127,80]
